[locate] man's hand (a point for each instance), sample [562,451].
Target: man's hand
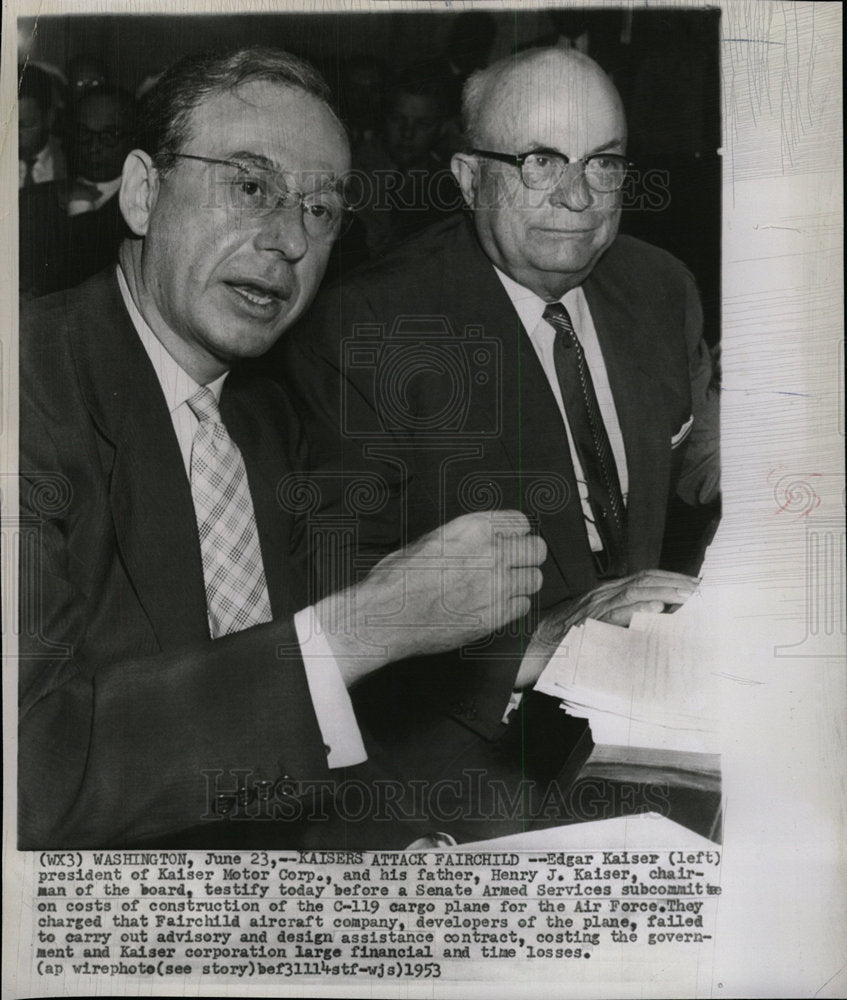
[615,602]
[451,587]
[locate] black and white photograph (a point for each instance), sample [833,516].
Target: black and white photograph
[423,500]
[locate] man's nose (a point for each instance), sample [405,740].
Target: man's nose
[572,190]
[283,231]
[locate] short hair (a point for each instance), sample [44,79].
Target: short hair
[164,123]
[87,60]
[35,83]
[475,90]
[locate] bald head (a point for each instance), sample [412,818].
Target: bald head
[518,87]
[553,101]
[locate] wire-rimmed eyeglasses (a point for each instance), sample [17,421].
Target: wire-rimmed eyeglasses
[255,191]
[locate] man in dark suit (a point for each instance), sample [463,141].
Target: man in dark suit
[171,671]
[523,356]
[102,134]
[40,156]
[72,229]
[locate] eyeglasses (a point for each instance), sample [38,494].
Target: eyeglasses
[109,137]
[544,169]
[255,192]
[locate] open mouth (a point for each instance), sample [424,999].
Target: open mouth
[260,296]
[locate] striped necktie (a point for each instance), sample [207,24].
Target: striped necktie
[236,591]
[591,441]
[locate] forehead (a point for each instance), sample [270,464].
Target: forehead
[100,108]
[415,105]
[288,126]
[567,106]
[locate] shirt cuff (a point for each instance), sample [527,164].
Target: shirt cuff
[514,701]
[330,700]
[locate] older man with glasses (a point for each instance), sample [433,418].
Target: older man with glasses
[523,356]
[179,683]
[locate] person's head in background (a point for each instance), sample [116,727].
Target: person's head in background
[35,111]
[86,73]
[103,133]
[362,85]
[415,115]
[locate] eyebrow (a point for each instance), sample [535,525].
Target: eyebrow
[539,148]
[247,157]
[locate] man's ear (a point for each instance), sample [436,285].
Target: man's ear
[139,191]
[465,169]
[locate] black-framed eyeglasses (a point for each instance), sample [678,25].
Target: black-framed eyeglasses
[255,191]
[542,169]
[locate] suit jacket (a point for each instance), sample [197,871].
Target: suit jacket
[42,239]
[57,251]
[92,243]
[442,394]
[131,719]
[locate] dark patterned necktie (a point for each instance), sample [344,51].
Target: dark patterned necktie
[236,591]
[591,441]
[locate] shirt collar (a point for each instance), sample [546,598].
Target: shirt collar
[177,385]
[530,307]
[106,188]
[41,162]
[44,155]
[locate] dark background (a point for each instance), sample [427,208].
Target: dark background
[665,64]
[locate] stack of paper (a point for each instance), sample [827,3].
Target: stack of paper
[642,686]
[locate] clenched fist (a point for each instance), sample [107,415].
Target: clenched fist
[451,587]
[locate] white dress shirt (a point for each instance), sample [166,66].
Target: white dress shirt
[88,196]
[48,165]
[530,309]
[331,701]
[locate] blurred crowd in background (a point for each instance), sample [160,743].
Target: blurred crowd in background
[77,123]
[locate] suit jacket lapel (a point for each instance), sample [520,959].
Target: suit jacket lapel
[478,306]
[263,447]
[625,343]
[153,512]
